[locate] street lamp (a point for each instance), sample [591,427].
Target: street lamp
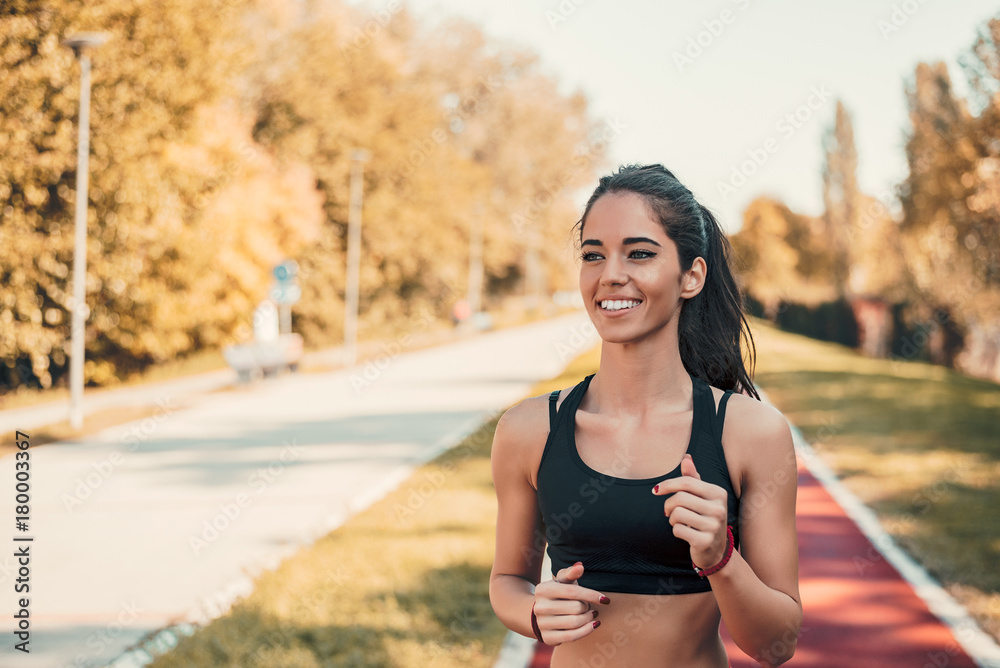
[81,43]
[358,159]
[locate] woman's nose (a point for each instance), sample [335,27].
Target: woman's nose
[613,272]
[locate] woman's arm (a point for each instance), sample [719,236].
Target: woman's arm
[757,591]
[520,541]
[563,609]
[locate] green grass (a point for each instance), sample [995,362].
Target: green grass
[403,583]
[919,444]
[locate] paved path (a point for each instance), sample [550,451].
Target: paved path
[156,522]
[859,611]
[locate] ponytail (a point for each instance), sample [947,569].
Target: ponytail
[712,323]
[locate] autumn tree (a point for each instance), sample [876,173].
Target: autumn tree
[840,196]
[949,200]
[160,157]
[222,136]
[781,256]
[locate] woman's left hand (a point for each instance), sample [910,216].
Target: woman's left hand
[698,513]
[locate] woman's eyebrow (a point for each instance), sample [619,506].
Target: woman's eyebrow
[625,242]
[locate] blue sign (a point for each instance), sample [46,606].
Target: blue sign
[286,271]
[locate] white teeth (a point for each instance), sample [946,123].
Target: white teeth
[618,304]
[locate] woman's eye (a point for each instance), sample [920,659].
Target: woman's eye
[637,254]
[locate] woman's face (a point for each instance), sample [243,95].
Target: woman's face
[626,256]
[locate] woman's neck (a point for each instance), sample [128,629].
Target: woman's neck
[638,377]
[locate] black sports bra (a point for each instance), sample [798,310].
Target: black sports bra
[616,526]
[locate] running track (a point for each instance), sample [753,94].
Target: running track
[859,612]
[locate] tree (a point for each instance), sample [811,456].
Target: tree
[840,196]
[782,256]
[222,135]
[949,208]
[154,171]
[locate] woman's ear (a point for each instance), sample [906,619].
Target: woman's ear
[693,280]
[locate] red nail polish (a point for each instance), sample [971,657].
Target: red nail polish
[605,600]
[656,489]
[595,613]
[597,623]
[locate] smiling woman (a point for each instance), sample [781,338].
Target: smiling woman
[634,480]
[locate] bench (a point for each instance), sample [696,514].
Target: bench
[264,358]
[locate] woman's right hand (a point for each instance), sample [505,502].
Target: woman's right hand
[563,608]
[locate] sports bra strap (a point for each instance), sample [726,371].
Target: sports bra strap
[722,410]
[553,396]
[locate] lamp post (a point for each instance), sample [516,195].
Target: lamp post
[358,159]
[80,43]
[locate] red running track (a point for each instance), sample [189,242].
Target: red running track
[859,612]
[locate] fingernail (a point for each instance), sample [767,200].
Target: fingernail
[605,600]
[579,563]
[597,623]
[595,613]
[656,489]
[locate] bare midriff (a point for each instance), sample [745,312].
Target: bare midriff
[650,631]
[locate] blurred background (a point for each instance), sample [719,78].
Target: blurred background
[852,151]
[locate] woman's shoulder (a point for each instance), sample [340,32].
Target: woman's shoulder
[754,433]
[522,421]
[757,440]
[749,416]
[523,428]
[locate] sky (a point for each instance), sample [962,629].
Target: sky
[703,88]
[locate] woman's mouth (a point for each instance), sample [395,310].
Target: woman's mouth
[618,305]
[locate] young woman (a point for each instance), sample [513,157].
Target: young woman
[663,489]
